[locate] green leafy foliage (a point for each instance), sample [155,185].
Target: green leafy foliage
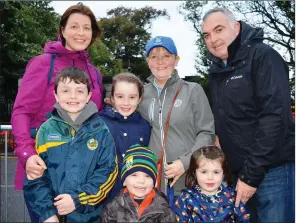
[25,27]
[125,34]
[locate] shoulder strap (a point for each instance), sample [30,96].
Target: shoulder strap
[51,68]
[97,74]
[168,121]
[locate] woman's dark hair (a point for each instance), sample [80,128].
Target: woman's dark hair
[74,74]
[209,152]
[129,78]
[84,10]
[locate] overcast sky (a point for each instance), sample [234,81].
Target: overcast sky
[176,28]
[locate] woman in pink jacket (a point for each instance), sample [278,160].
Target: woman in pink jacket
[77,31]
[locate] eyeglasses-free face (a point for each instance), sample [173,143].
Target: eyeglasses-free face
[162,64]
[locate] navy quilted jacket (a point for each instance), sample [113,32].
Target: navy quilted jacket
[126,131]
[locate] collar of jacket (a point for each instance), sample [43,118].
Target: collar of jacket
[110,112]
[173,79]
[58,48]
[236,52]
[145,203]
[55,116]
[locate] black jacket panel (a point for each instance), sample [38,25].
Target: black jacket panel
[251,105]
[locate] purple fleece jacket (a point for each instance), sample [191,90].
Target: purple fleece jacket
[35,98]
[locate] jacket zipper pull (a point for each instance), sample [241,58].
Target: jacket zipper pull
[226,83]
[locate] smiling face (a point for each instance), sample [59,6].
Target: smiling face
[139,184]
[77,32]
[72,97]
[219,32]
[162,64]
[209,175]
[125,98]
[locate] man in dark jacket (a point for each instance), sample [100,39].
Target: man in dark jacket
[249,84]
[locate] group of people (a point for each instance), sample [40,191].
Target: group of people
[80,160]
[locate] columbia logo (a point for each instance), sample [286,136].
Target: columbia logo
[54,137]
[236,77]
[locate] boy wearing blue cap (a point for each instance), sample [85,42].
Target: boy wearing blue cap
[139,201]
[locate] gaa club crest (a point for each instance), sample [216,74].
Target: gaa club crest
[129,162]
[92,144]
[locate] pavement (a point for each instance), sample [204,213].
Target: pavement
[15,206]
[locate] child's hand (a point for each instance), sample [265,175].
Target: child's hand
[64,204]
[53,218]
[35,167]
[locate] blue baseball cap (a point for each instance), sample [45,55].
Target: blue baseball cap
[161,41]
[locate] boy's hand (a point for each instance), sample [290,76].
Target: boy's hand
[65,204]
[174,170]
[53,218]
[35,167]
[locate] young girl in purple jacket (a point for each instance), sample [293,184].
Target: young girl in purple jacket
[77,31]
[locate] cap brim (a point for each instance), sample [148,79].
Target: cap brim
[157,45]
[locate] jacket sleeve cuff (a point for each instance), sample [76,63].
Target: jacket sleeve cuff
[78,206]
[24,156]
[244,178]
[185,159]
[47,214]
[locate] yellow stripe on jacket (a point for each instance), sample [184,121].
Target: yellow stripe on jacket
[43,148]
[94,199]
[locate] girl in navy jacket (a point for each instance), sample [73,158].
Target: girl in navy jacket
[125,124]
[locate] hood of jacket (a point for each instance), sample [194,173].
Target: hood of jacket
[89,110]
[58,48]
[245,36]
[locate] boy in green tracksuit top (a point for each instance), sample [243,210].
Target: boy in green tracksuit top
[79,153]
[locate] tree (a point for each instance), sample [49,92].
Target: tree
[277,18]
[25,28]
[102,58]
[125,36]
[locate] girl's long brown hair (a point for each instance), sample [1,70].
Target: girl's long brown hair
[209,152]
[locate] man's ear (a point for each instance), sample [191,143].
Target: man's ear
[124,183]
[237,28]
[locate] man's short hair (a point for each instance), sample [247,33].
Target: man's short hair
[224,11]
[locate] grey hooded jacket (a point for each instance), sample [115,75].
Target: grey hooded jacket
[191,123]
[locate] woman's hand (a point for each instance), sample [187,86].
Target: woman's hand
[217,142]
[35,167]
[53,218]
[174,170]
